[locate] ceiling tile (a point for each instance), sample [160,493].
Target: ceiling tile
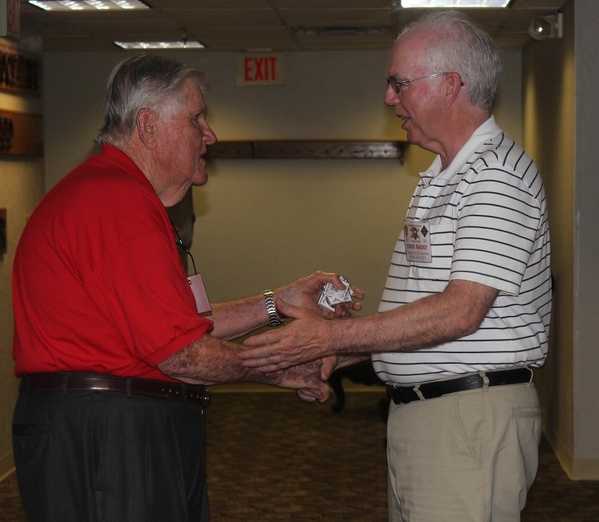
[231,25]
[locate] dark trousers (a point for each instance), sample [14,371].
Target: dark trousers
[89,456]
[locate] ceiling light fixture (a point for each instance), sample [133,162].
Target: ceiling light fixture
[88,5]
[181,44]
[454,3]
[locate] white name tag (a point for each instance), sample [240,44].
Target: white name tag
[200,295]
[417,241]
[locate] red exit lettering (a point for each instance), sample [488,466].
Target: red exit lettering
[258,69]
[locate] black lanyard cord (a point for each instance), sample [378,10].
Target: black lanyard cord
[181,245]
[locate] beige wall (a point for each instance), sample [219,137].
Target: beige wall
[261,223]
[561,124]
[549,82]
[586,255]
[21,186]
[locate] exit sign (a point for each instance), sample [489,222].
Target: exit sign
[259,69]
[10,18]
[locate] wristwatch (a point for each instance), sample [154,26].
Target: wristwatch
[269,301]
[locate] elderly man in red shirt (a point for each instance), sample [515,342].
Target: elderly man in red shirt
[111,349]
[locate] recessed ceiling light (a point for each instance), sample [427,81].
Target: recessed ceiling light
[181,44]
[88,5]
[454,3]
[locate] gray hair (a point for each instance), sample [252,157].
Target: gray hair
[146,81]
[465,48]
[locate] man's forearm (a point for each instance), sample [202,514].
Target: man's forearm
[433,320]
[208,361]
[425,323]
[211,361]
[233,319]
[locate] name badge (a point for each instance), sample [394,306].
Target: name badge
[417,242]
[199,294]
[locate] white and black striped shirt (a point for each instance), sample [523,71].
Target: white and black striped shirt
[488,222]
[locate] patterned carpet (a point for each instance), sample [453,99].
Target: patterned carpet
[273,458]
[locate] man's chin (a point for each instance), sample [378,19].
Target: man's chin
[201,178]
[410,135]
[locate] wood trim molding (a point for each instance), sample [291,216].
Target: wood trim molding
[305,149]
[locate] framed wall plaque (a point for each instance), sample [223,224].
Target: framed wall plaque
[19,71]
[21,134]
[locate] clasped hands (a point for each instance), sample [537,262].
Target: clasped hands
[306,339]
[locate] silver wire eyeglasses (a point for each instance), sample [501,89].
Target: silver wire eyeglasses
[400,85]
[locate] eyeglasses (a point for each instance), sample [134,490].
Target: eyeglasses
[401,85]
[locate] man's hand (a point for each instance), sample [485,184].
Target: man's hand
[306,380]
[306,291]
[305,339]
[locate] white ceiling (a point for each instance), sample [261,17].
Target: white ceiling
[277,25]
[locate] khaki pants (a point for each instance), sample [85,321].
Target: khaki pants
[467,456]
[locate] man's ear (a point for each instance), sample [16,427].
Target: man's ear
[453,86]
[146,122]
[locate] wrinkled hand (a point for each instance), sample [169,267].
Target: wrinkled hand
[308,395]
[328,366]
[305,339]
[306,380]
[306,291]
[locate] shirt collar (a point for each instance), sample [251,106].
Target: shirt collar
[486,131]
[119,156]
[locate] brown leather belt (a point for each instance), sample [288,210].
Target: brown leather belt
[100,382]
[433,390]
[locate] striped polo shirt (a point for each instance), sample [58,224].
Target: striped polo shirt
[488,223]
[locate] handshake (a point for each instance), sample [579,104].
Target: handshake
[300,355]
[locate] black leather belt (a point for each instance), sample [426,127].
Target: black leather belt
[432,390]
[100,382]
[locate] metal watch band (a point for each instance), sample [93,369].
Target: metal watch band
[269,301]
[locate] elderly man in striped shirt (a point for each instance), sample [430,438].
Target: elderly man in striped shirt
[466,308]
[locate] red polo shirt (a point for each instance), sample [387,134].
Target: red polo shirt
[98,285]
